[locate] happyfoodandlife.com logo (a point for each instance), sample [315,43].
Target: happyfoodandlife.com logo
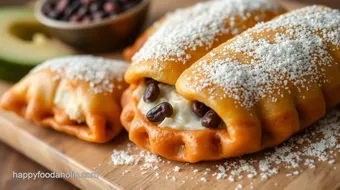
[39,174]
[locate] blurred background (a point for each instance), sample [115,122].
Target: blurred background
[11,160]
[332,3]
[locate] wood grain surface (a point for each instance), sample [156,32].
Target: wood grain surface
[13,161]
[59,152]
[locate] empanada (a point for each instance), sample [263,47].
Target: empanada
[130,51]
[77,95]
[268,83]
[250,93]
[183,38]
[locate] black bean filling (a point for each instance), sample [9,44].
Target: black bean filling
[159,112]
[210,119]
[199,109]
[86,10]
[151,92]
[147,81]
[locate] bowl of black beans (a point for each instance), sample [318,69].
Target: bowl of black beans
[93,25]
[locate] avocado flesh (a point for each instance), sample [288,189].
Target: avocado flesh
[24,43]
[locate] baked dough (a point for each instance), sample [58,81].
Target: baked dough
[77,95]
[181,39]
[266,84]
[130,51]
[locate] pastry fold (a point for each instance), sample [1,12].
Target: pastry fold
[266,85]
[169,47]
[130,51]
[78,95]
[269,82]
[182,38]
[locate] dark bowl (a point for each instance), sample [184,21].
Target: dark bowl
[97,36]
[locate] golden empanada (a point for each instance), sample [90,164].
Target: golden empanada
[77,95]
[130,51]
[181,39]
[269,82]
[254,91]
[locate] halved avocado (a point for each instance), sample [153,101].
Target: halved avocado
[24,43]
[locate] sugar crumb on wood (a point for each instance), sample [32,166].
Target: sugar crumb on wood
[321,145]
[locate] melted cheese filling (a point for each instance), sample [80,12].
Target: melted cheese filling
[67,99]
[182,118]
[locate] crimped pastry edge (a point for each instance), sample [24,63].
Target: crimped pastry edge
[14,102]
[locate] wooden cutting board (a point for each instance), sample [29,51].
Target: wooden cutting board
[60,152]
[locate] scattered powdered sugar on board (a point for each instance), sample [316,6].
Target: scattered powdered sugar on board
[320,144]
[97,71]
[198,26]
[304,151]
[125,157]
[278,60]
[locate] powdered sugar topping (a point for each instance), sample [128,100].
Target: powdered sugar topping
[316,147]
[198,26]
[296,56]
[98,72]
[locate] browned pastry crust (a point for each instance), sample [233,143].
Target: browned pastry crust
[147,68]
[268,122]
[131,50]
[33,98]
[193,145]
[174,70]
[185,146]
[282,111]
[213,144]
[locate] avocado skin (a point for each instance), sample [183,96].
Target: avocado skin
[24,21]
[13,72]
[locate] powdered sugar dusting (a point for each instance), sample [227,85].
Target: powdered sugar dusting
[125,157]
[198,26]
[319,145]
[294,56]
[98,72]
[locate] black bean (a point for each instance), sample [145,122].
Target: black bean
[99,15]
[86,19]
[151,92]
[147,81]
[96,6]
[160,112]
[75,18]
[211,120]
[47,7]
[199,109]
[113,14]
[54,14]
[83,11]
[61,5]
[118,2]
[65,9]
[110,7]
[128,1]
[86,2]
[51,3]
[130,5]
[75,5]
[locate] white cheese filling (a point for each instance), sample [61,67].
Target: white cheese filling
[182,118]
[67,99]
